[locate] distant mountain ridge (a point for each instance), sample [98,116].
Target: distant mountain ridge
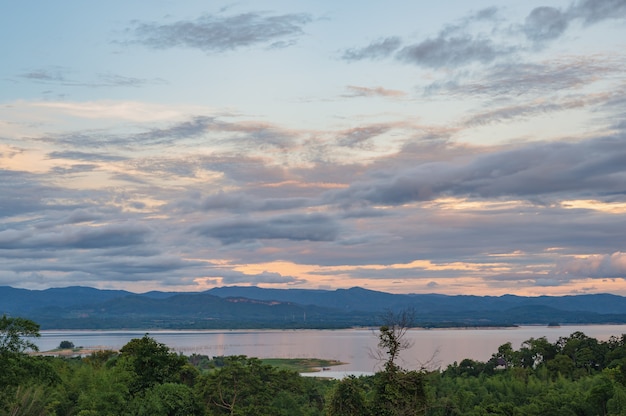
[80,307]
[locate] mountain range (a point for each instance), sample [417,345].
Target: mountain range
[253,307]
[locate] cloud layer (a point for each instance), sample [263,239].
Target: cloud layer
[458,151]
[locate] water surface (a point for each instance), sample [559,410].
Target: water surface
[432,348]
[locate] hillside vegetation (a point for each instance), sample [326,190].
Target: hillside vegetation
[253,307]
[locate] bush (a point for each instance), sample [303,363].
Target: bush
[64,345]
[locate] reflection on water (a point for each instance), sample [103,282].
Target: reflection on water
[431,348]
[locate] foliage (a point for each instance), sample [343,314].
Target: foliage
[348,399]
[246,386]
[394,391]
[168,399]
[576,375]
[64,345]
[13,332]
[150,363]
[300,365]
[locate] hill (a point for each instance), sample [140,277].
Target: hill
[253,307]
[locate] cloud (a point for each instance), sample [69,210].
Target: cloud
[533,108]
[552,76]
[467,42]
[63,76]
[76,237]
[381,48]
[214,33]
[85,156]
[359,136]
[451,52]
[227,136]
[244,202]
[296,227]
[593,167]
[24,193]
[52,74]
[356,91]
[232,277]
[597,266]
[76,168]
[593,11]
[194,127]
[545,23]
[456,45]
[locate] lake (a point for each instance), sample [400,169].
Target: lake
[432,348]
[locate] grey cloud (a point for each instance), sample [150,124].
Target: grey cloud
[92,157]
[77,216]
[593,11]
[527,280]
[548,23]
[214,33]
[250,170]
[231,277]
[356,91]
[488,13]
[359,136]
[376,50]
[231,135]
[63,76]
[593,167]
[183,130]
[534,78]
[85,237]
[545,23]
[51,74]
[595,266]
[74,169]
[504,114]
[243,202]
[134,267]
[23,192]
[314,227]
[451,52]
[72,268]
[116,80]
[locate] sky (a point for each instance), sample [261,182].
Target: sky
[455,147]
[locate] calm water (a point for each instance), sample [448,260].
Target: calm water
[432,348]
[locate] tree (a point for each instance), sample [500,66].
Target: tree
[391,338]
[151,362]
[398,391]
[246,386]
[12,334]
[65,345]
[347,399]
[168,399]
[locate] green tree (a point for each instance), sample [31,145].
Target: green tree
[13,334]
[64,345]
[397,391]
[246,386]
[347,399]
[150,362]
[22,377]
[29,401]
[167,399]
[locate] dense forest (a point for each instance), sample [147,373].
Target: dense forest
[576,375]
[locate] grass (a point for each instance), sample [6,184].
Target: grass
[301,365]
